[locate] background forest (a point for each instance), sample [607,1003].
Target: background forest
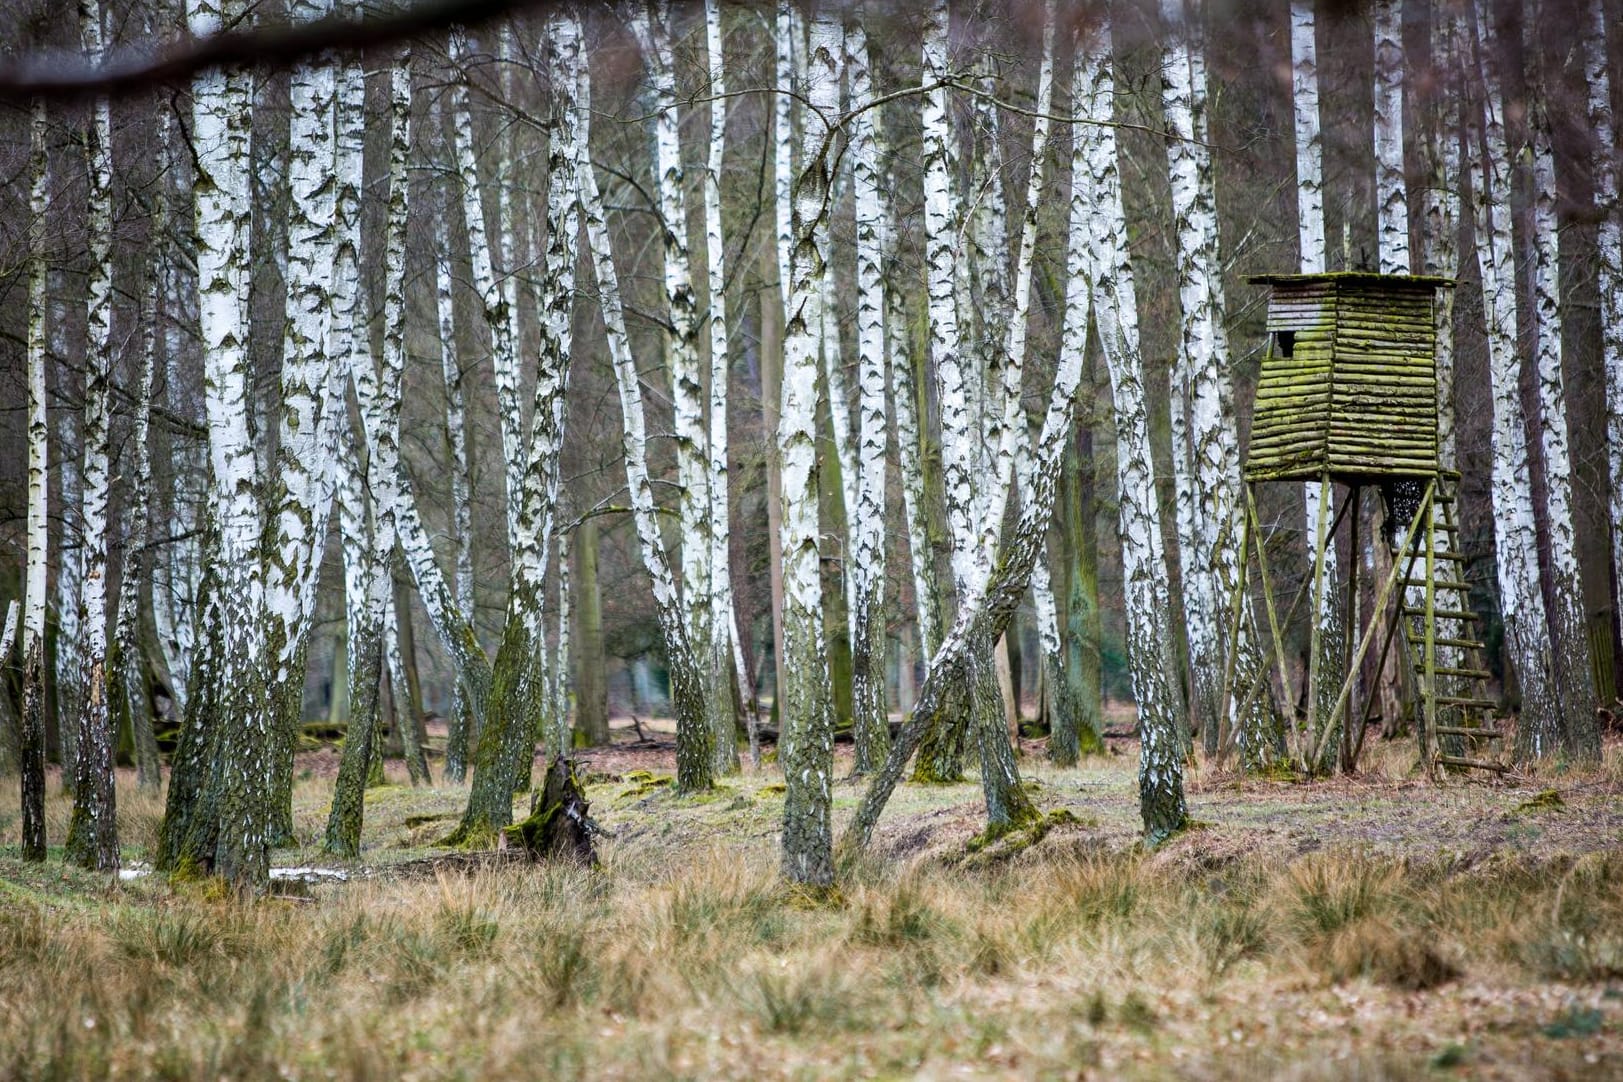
[688,361]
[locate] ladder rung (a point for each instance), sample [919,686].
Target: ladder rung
[1463,644]
[1449,554]
[1466,700]
[1476,764]
[1458,730]
[1441,671]
[1440,584]
[1442,614]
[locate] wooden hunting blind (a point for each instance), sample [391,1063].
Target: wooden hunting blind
[1347,395]
[1349,381]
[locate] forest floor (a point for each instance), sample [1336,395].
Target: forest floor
[1376,927]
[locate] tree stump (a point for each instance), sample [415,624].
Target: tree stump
[559,825]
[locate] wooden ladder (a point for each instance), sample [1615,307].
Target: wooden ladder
[1457,714]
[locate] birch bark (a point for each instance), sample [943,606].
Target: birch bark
[377,390]
[31,741]
[807,742]
[302,495]
[652,26]
[1206,449]
[1391,192]
[693,754]
[1573,673]
[867,528]
[1144,560]
[1538,733]
[940,760]
[232,837]
[93,829]
[724,641]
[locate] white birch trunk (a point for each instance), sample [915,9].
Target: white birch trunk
[943,254]
[1209,490]
[93,831]
[1186,162]
[807,750]
[1574,676]
[494,300]
[1144,560]
[866,566]
[131,675]
[31,738]
[1391,193]
[1309,138]
[303,495]
[687,692]
[727,651]
[1522,602]
[240,775]
[786,27]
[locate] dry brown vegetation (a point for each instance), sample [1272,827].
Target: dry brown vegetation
[1370,928]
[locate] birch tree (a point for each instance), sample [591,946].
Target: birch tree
[302,499]
[1099,228]
[693,754]
[1574,676]
[807,742]
[1205,445]
[93,830]
[377,389]
[867,567]
[232,836]
[941,758]
[1526,626]
[1391,192]
[1312,259]
[724,642]
[31,742]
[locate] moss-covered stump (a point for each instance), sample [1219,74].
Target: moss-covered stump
[560,824]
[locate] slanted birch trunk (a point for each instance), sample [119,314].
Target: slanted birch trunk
[652,26]
[1539,732]
[1206,445]
[93,830]
[693,754]
[31,738]
[1144,559]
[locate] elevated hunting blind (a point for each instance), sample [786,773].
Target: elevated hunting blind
[1349,381]
[1347,396]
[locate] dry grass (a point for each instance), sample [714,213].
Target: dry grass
[1265,945]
